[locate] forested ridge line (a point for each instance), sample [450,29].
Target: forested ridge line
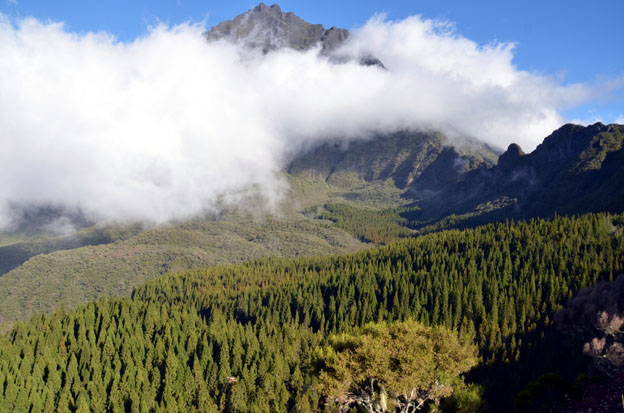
[239,338]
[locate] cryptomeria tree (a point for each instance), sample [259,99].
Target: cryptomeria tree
[399,367]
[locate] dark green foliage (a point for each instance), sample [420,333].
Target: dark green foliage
[540,395]
[379,227]
[240,338]
[130,355]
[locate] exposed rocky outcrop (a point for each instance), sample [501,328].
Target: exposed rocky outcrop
[269,28]
[576,169]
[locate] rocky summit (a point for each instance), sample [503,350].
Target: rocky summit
[269,28]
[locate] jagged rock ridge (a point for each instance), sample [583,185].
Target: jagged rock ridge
[268,28]
[576,169]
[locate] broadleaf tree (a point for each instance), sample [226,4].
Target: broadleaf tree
[403,367]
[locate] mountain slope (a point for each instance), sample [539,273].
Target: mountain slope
[78,275]
[576,169]
[19,248]
[406,158]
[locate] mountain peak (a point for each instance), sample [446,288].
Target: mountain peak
[263,8]
[269,28]
[568,142]
[510,156]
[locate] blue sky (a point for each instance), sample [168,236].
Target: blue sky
[573,41]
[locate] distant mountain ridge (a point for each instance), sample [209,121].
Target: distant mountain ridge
[268,28]
[576,169]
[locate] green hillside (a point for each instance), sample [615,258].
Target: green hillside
[44,271]
[369,225]
[41,272]
[17,248]
[240,338]
[453,184]
[79,275]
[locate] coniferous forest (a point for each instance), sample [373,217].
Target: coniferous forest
[247,337]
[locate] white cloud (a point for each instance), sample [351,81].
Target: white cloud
[441,78]
[168,125]
[620,120]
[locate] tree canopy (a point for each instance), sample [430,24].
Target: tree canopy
[400,367]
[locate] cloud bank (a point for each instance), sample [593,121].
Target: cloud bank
[168,125]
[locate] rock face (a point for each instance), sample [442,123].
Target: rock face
[423,160]
[576,169]
[268,28]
